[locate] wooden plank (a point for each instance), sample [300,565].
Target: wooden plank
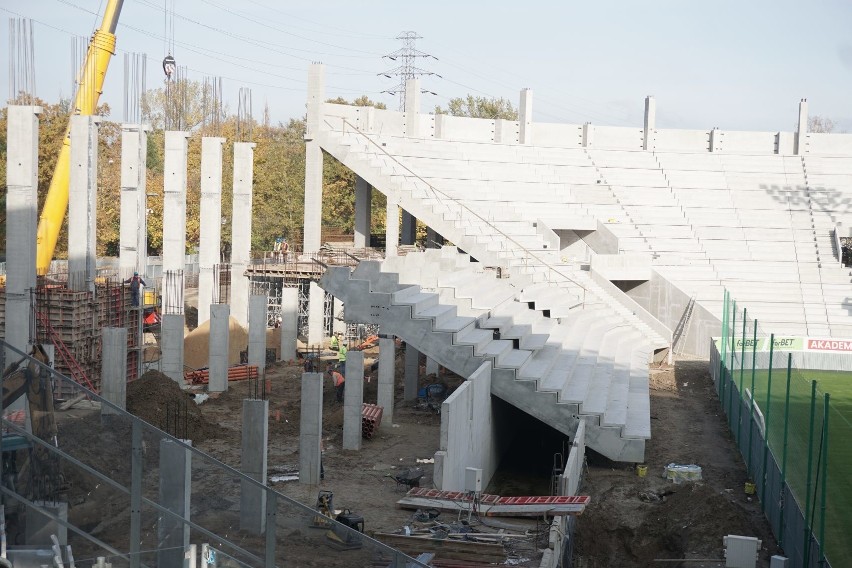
[446,548]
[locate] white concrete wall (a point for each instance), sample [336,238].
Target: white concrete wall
[467,433]
[559,135]
[682,140]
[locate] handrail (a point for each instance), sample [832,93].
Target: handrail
[439,193]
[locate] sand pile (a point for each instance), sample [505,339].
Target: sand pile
[154,396]
[196,345]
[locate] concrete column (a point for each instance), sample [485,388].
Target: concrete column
[133,229]
[175,492]
[114,367]
[253,463]
[316,314]
[588,135]
[363,199]
[289,323]
[219,347]
[83,204]
[210,242]
[525,117]
[412,372]
[171,344]
[21,222]
[241,229]
[439,125]
[337,323]
[802,127]
[432,366]
[366,118]
[310,429]
[409,228]
[174,215]
[650,123]
[412,108]
[387,373]
[257,333]
[391,228]
[313,160]
[353,399]
[716,140]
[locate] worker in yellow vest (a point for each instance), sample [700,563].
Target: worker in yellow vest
[341,358]
[335,342]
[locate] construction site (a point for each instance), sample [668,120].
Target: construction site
[558,351]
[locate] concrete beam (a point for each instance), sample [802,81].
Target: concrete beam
[114,368]
[83,204]
[172,346]
[310,429]
[412,372]
[175,492]
[650,123]
[391,228]
[174,218]
[316,314]
[210,242]
[289,323]
[21,221]
[133,226]
[219,347]
[241,229]
[253,461]
[313,160]
[257,333]
[387,374]
[353,400]
[525,117]
[363,212]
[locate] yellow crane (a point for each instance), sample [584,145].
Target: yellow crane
[91,83]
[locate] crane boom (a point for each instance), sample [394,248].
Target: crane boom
[92,74]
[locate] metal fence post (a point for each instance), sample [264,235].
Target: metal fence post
[822,542]
[766,422]
[784,454]
[740,386]
[808,527]
[724,348]
[751,399]
[135,493]
[733,353]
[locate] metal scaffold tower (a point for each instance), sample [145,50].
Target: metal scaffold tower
[407,57]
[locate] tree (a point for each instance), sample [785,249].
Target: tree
[480,107]
[362,101]
[820,124]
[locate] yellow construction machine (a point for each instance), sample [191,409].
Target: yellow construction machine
[91,82]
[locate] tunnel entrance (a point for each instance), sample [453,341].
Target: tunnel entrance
[529,452]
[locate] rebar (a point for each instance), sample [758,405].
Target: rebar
[22,83]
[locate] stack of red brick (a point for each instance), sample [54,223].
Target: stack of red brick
[371,418]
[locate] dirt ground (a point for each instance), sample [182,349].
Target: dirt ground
[632,520]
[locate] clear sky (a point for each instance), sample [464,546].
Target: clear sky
[734,64]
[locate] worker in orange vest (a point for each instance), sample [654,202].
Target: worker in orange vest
[339,383]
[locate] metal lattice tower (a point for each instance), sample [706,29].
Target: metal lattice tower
[407,57]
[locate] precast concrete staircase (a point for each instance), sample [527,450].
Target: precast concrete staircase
[581,363]
[517,248]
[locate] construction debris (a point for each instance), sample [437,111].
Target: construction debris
[494,505]
[235,373]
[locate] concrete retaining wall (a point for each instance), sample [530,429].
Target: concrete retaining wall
[467,433]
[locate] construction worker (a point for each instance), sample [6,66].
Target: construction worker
[334,345]
[285,249]
[135,282]
[341,358]
[339,383]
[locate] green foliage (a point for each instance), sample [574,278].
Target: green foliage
[362,101]
[480,107]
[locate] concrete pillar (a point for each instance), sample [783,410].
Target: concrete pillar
[114,368]
[337,323]
[525,117]
[432,366]
[316,314]
[175,492]
[716,140]
[174,217]
[21,222]
[409,228]
[210,242]
[257,333]
[313,160]
[412,107]
[133,229]
[83,204]
[310,429]
[253,463]
[366,117]
[439,125]
[289,323]
[363,201]
[387,374]
[650,123]
[802,127]
[171,346]
[588,135]
[353,399]
[241,229]
[412,372]
[218,347]
[391,228]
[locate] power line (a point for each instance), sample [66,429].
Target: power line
[407,57]
[324,27]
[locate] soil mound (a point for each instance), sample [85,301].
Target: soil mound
[156,399]
[196,345]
